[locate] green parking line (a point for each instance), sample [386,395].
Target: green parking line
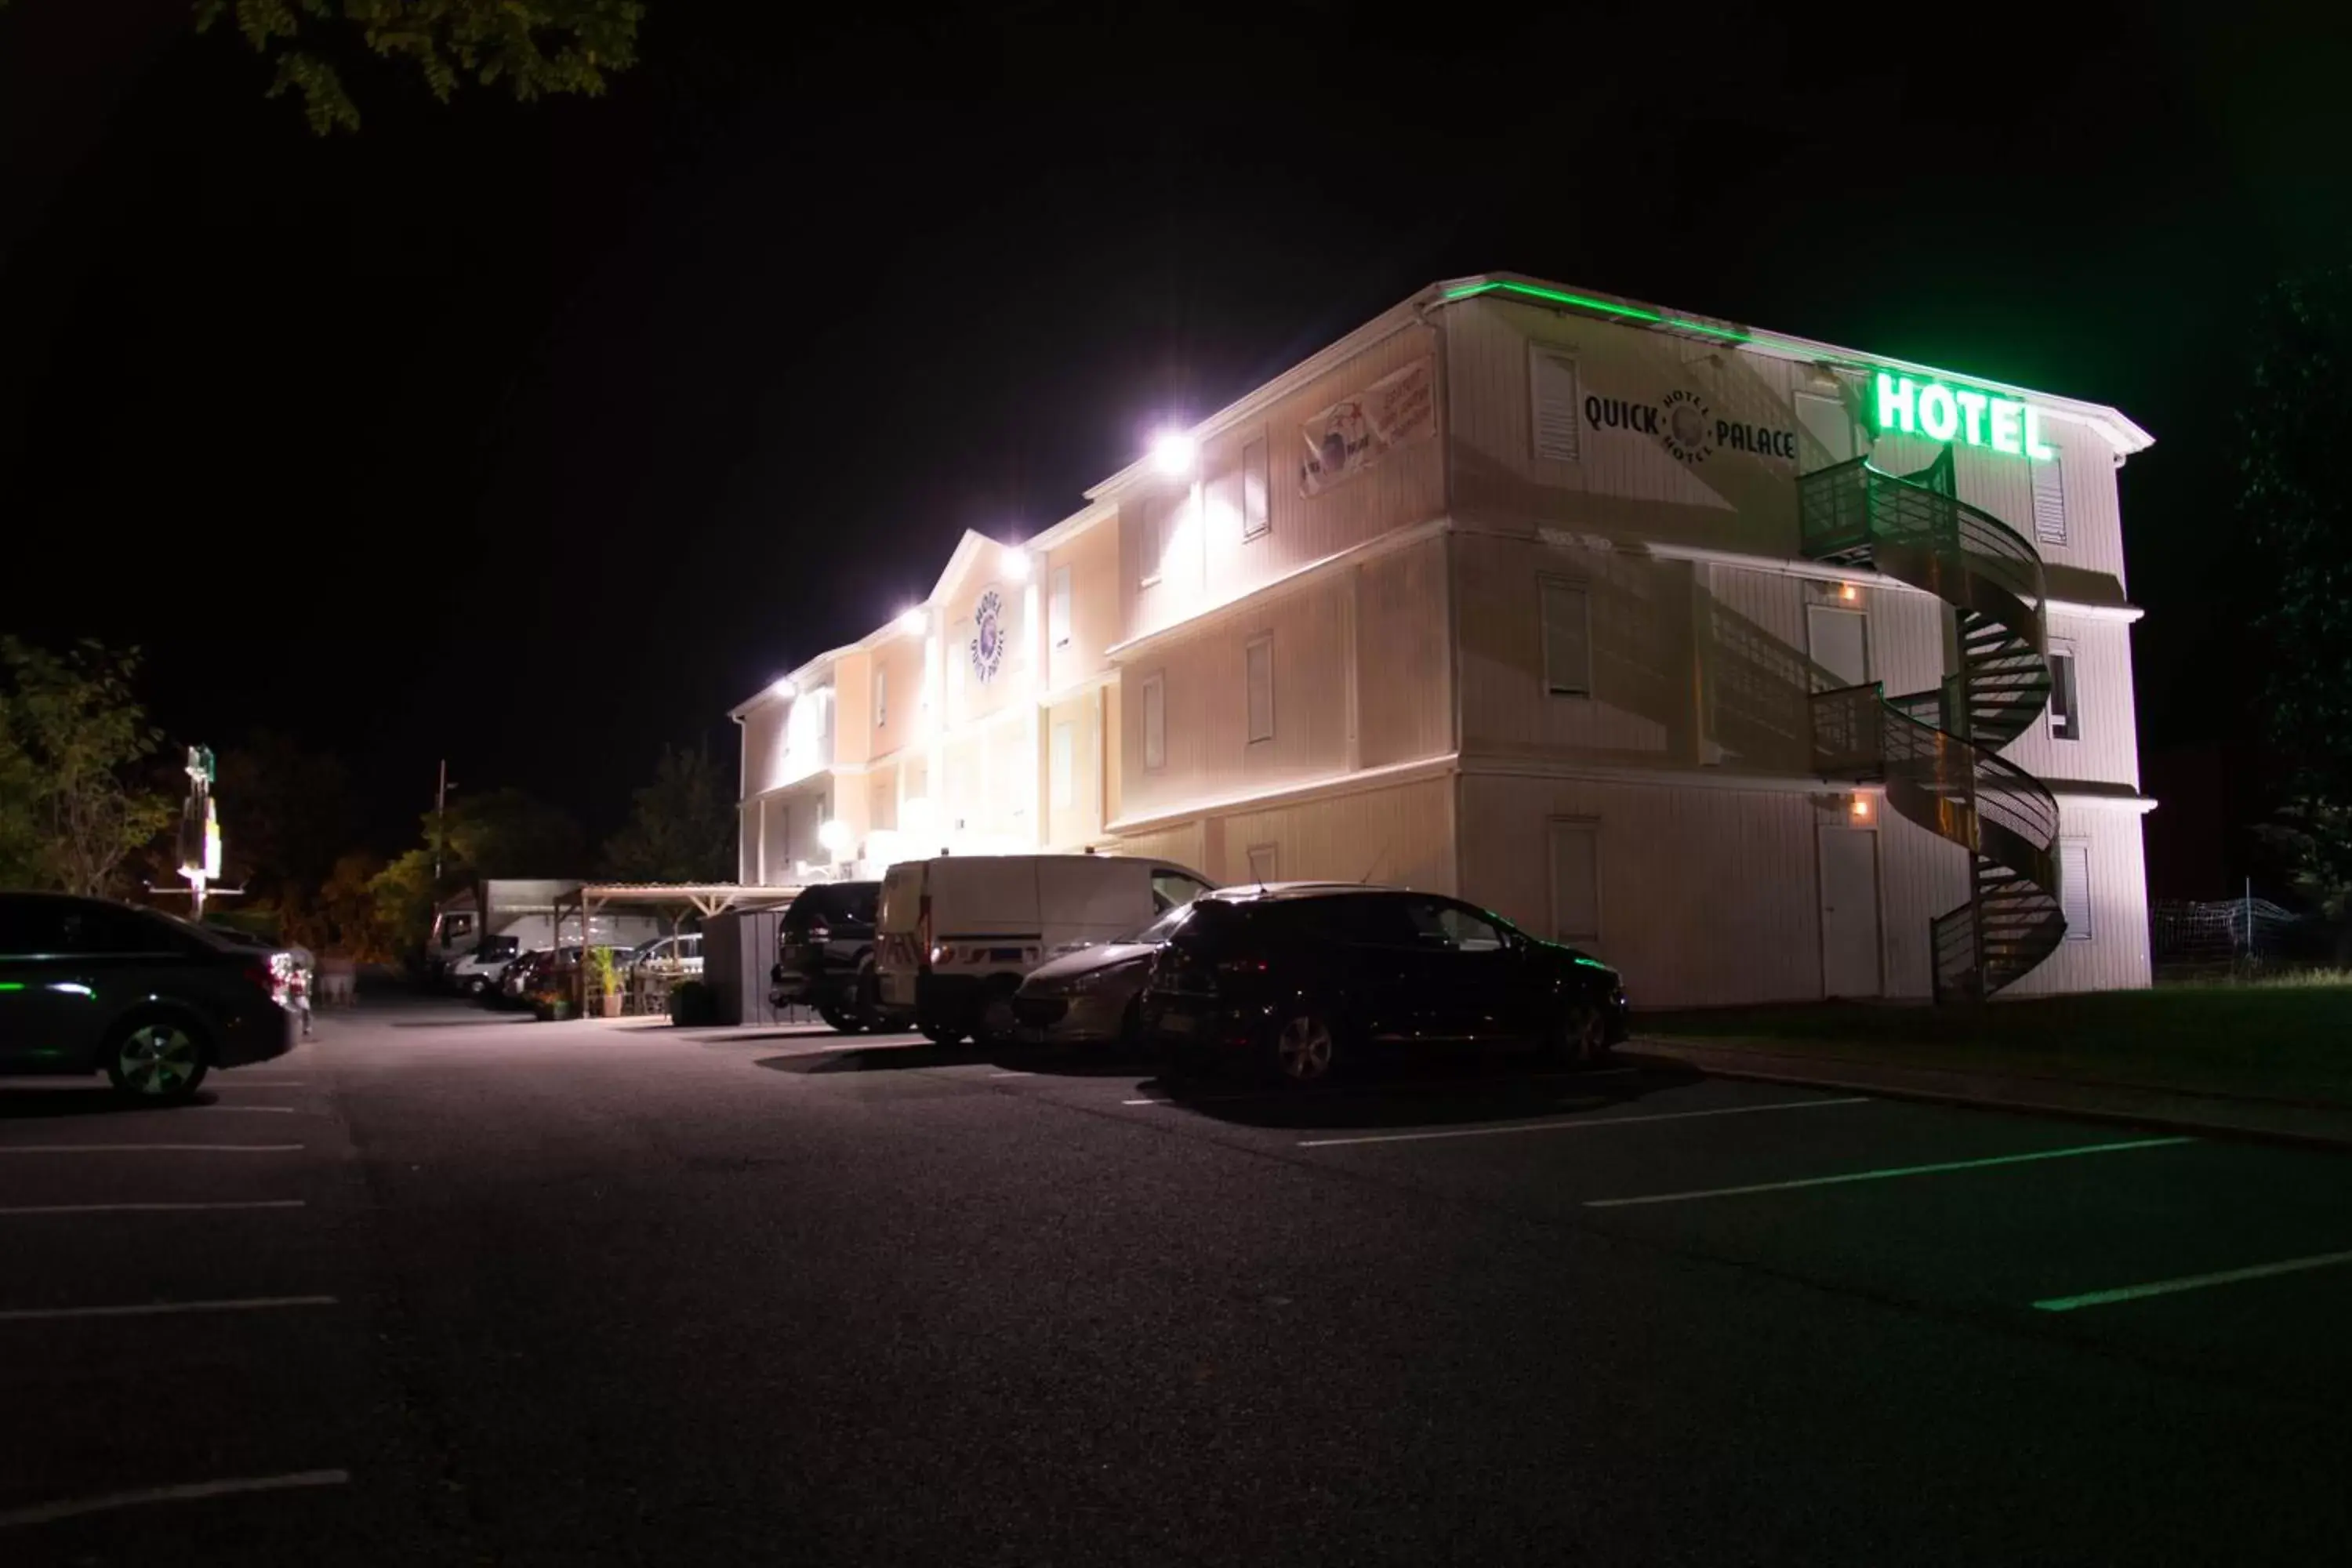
[2191,1282]
[1890,1175]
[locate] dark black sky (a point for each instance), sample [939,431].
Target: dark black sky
[537,436]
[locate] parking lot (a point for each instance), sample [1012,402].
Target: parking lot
[441,1289]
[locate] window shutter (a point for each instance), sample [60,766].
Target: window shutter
[1155,721]
[881,696]
[1259,659]
[1575,882]
[1256,491]
[1264,859]
[2050,501]
[1066,759]
[1058,612]
[1552,404]
[1832,428]
[2074,887]
[2065,718]
[1567,639]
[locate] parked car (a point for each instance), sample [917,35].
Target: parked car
[1302,979]
[476,973]
[516,982]
[956,933]
[1093,994]
[824,955]
[681,955]
[87,985]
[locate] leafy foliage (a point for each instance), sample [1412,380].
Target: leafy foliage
[2314,837]
[72,738]
[2295,512]
[512,833]
[682,826]
[534,47]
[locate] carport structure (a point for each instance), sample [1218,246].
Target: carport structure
[705,899]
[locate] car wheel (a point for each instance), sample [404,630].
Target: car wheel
[866,997]
[940,1033]
[840,1020]
[157,1059]
[997,1025]
[1305,1049]
[1581,1038]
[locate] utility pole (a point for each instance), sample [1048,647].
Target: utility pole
[440,825]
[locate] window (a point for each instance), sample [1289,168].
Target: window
[2066,715]
[1567,638]
[1264,863]
[1840,643]
[1057,608]
[881,696]
[1159,522]
[2074,887]
[2050,500]
[1468,933]
[1256,519]
[1575,882]
[1258,664]
[1065,760]
[1825,420]
[1552,404]
[1155,721]
[1171,889]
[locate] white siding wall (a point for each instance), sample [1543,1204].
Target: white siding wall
[2108,752]
[2116,955]
[1207,559]
[1402,836]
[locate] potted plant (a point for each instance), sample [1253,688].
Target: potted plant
[605,976]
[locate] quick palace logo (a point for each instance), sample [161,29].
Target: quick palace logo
[1686,427]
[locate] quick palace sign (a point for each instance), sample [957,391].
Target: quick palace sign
[1962,414]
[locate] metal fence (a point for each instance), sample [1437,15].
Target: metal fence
[2213,938]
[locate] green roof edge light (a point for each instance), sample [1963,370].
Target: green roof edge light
[1816,352]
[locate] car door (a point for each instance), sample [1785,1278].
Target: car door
[1467,971]
[35,1016]
[1388,970]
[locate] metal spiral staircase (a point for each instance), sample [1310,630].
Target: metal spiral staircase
[1937,753]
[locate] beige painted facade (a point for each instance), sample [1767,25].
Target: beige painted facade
[1526,644]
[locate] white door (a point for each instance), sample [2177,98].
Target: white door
[1849,912]
[1841,645]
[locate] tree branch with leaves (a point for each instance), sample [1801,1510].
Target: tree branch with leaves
[533,48]
[72,736]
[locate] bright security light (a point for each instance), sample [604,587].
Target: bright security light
[914,622]
[1859,807]
[783,687]
[1016,563]
[1173,453]
[833,834]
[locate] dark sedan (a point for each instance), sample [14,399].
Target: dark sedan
[151,1001]
[1301,979]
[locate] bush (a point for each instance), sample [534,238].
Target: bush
[692,1003]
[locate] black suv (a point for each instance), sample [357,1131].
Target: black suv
[824,954]
[1300,979]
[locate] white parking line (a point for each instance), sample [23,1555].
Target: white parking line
[1890,1174]
[2192,1282]
[1577,1076]
[225,1081]
[149,1148]
[43,1514]
[162,1309]
[257,1109]
[149,1208]
[1013,1075]
[1588,1122]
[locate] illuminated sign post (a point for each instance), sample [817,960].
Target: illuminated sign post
[1961,413]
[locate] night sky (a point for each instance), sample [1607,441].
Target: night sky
[535,437]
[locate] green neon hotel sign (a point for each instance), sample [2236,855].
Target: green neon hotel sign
[1959,413]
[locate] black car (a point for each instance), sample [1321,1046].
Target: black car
[151,1001]
[824,954]
[1302,979]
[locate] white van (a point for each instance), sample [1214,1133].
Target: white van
[955,934]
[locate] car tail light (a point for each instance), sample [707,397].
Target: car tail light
[1243,966]
[258,972]
[817,933]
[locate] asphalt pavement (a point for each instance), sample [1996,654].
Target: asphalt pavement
[441,1288]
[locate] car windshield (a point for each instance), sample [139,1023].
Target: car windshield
[1160,929]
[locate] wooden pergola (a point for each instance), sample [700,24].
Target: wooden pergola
[705,898]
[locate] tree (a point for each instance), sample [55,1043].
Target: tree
[72,738]
[510,833]
[401,899]
[286,813]
[534,47]
[682,826]
[2294,513]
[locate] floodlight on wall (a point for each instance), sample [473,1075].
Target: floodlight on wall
[833,834]
[1173,453]
[914,622]
[1859,808]
[1849,593]
[783,687]
[1016,563]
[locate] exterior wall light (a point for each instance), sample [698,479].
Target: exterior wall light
[1849,593]
[1173,453]
[783,687]
[1016,563]
[833,834]
[1859,808]
[914,622]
